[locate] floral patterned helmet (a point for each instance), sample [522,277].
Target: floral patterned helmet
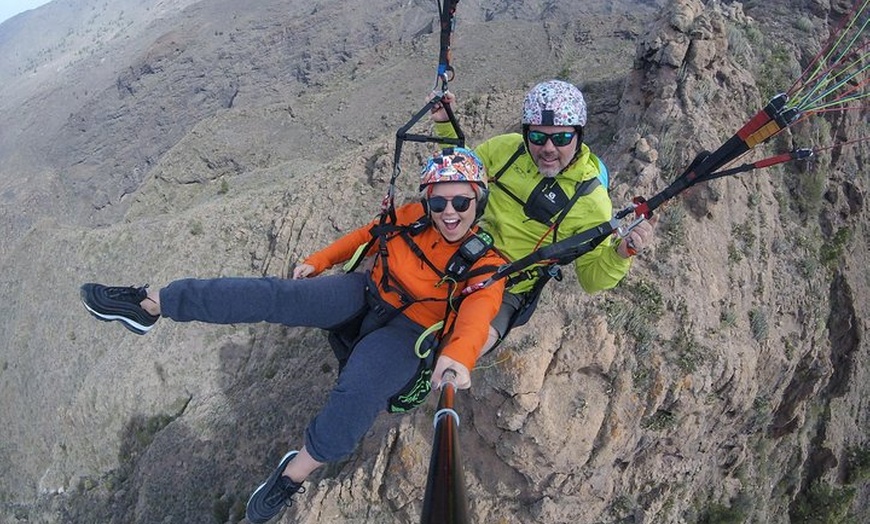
[554,103]
[453,164]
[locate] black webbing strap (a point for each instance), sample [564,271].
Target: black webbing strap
[447,11]
[582,188]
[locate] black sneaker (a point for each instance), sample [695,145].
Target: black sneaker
[272,495]
[119,303]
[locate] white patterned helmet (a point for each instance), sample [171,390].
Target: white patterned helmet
[554,103]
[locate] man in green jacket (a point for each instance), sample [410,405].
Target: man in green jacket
[534,178]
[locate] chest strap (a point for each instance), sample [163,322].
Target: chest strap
[582,188]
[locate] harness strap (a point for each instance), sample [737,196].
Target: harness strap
[445,73]
[582,188]
[446,16]
[419,252]
[525,274]
[482,270]
[520,150]
[495,179]
[383,232]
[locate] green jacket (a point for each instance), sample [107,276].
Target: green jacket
[516,235]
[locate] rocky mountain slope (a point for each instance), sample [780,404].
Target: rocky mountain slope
[724,381]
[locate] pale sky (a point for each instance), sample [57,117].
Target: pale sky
[10,8]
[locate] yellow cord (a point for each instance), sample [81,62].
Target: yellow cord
[431,329]
[494,364]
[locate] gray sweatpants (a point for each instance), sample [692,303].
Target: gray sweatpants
[382,362]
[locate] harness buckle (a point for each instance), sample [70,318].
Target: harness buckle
[555,272]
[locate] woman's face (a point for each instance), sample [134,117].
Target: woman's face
[451,223]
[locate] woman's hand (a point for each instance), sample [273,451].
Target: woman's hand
[438,113]
[463,376]
[302,271]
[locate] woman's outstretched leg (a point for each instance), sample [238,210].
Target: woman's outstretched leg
[323,302]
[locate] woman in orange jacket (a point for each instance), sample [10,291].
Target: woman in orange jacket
[405,312]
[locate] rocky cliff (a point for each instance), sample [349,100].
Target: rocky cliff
[725,380]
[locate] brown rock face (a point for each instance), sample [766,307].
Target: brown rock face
[723,381]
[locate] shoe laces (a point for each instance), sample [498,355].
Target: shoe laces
[129,293]
[289,488]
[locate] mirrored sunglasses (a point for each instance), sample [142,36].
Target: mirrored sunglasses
[562,139]
[460,203]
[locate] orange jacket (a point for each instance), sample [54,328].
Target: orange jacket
[420,281]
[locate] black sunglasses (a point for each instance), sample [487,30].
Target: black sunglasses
[562,139]
[439,203]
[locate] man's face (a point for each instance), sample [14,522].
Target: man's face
[550,158]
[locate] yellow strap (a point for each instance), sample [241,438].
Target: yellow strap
[353,260]
[431,329]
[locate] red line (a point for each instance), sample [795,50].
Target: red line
[827,47]
[772,161]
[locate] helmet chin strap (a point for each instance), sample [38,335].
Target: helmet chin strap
[577,148]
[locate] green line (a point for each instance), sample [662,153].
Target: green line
[841,101]
[809,104]
[820,80]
